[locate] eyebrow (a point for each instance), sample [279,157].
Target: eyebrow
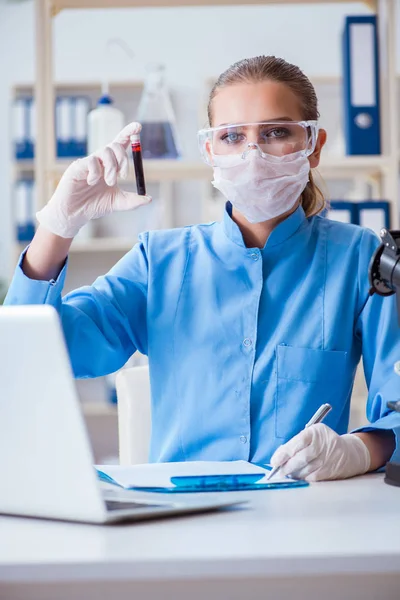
[256,122]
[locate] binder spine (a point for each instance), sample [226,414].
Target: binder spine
[23,121]
[373,214]
[71,126]
[24,208]
[361,86]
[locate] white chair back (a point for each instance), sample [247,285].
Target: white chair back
[134,415]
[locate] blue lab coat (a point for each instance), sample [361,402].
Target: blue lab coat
[243,344]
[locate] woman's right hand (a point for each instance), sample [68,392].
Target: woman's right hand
[88,189]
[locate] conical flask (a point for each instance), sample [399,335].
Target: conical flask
[155,113]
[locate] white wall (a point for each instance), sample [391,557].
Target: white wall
[194,43]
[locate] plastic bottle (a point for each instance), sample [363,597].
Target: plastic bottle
[104,123]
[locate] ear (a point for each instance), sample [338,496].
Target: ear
[207,147]
[315,156]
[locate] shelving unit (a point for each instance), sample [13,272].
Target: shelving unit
[383,170]
[47,9]
[47,170]
[163,172]
[127,94]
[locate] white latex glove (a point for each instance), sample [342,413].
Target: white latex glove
[319,453]
[88,188]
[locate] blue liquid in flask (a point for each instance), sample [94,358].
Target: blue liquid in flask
[158,140]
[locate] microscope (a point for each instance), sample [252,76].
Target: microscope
[384,278]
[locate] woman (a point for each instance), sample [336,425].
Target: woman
[249,324]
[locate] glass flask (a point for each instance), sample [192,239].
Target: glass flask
[155,113]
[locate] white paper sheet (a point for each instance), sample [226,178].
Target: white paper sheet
[159,474]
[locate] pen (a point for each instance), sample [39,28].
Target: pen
[318,417]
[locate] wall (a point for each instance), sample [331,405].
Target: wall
[194,43]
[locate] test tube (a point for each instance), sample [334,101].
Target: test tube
[138,164]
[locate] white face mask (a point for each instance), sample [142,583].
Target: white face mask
[262,188]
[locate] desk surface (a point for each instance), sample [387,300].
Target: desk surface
[328,528]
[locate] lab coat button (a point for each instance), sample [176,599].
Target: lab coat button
[254,256]
[243,439]
[247,342]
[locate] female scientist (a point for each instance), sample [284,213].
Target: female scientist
[249,324]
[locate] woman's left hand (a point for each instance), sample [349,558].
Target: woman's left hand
[319,453]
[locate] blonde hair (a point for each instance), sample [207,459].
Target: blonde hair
[270,68]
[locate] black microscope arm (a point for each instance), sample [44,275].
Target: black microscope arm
[384,277]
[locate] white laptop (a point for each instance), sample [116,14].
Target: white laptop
[46,462]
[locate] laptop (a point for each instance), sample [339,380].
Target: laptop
[46,462]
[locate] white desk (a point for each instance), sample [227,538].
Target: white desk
[332,540]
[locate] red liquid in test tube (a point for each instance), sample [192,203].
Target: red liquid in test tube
[138,164]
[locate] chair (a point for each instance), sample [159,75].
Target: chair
[134,412]
[358,400]
[134,415]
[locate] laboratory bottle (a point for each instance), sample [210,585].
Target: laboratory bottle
[155,113]
[104,123]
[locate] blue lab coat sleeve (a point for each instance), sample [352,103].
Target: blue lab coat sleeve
[377,327]
[105,323]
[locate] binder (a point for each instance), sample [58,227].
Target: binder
[81,110]
[23,128]
[32,125]
[71,126]
[361,85]
[343,211]
[63,126]
[24,210]
[374,214]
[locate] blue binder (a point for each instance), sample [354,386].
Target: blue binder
[71,126]
[361,85]
[373,214]
[24,210]
[23,130]
[81,107]
[346,211]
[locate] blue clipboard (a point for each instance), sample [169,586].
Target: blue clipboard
[228,483]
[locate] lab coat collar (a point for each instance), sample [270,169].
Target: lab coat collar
[280,234]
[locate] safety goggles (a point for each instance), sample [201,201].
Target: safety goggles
[270,138]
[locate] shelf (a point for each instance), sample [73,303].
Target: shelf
[24,166]
[89,87]
[99,409]
[178,170]
[61,4]
[173,170]
[160,170]
[345,166]
[154,170]
[102,244]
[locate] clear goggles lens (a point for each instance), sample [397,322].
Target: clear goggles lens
[273,138]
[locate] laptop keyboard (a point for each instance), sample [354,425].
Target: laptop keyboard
[115,505]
